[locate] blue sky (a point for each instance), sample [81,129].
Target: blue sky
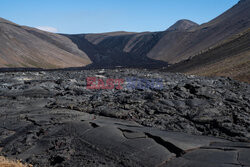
[95,16]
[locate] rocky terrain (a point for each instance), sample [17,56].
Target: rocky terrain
[53,119]
[230,58]
[115,103]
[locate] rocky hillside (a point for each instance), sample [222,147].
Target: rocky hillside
[22,46]
[182,40]
[27,47]
[231,58]
[175,46]
[119,49]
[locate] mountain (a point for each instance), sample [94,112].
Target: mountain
[229,58]
[182,25]
[176,46]
[119,49]
[22,46]
[179,42]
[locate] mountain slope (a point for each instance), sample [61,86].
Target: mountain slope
[231,58]
[119,49]
[176,46]
[28,47]
[182,40]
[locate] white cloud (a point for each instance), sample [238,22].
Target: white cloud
[47,28]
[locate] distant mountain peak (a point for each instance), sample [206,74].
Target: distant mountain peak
[182,25]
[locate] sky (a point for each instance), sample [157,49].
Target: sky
[96,16]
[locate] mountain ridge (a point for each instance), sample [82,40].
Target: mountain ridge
[181,41]
[23,46]
[188,44]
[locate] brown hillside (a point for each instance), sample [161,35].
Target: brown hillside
[28,47]
[231,58]
[176,46]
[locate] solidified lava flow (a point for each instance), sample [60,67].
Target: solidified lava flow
[136,117]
